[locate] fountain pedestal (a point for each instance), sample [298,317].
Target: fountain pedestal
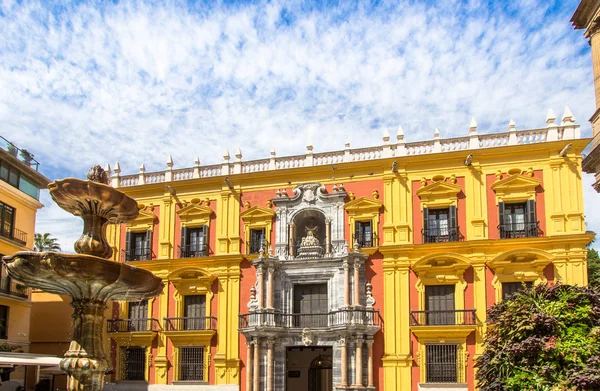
[88,277]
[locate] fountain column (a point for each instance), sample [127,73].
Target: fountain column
[249,364]
[85,362]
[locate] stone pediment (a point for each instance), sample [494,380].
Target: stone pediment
[439,190]
[363,204]
[145,220]
[194,211]
[516,182]
[257,213]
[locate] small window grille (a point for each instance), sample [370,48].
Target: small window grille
[444,363]
[191,363]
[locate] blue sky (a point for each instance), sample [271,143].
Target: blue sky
[83,83]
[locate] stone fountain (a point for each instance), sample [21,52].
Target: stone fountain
[89,277]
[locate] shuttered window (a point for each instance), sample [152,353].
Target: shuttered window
[194,312]
[310,303]
[440,225]
[518,220]
[194,242]
[363,233]
[439,304]
[257,236]
[138,246]
[510,288]
[138,314]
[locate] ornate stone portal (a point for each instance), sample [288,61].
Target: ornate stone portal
[310,251]
[88,277]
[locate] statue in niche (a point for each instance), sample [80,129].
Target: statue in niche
[310,239]
[310,246]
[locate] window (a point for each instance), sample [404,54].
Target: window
[194,242]
[363,233]
[439,305]
[310,305]
[194,312]
[518,220]
[257,238]
[439,225]
[138,246]
[510,288]
[3,322]
[138,315]
[443,363]
[7,218]
[134,363]
[191,363]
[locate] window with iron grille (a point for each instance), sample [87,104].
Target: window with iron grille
[257,236]
[363,233]
[191,363]
[134,363]
[443,363]
[510,288]
[3,322]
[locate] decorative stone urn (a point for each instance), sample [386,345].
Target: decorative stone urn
[88,276]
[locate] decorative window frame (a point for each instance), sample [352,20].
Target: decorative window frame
[200,343]
[361,210]
[442,269]
[144,222]
[515,188]
[257,217]
[191,281]
[507,267]
[195,215]
[120,358]
[449,336]
[439,194]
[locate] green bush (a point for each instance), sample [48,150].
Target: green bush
[543,338]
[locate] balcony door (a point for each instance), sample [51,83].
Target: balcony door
[138,315]
[194,312]
[310,305]
[439,304]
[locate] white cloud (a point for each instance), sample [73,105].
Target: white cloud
[134,82]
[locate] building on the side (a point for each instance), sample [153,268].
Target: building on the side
[20,184]
[368,268]
[587,17]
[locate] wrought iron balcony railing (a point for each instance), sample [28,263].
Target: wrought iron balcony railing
[439,235]
[11,287]
[443,317]
[191,323]
[520,230]
[194,250]
[366,241]
[14,234]
[339,318]
[144,254]
[20,154]
[131,325]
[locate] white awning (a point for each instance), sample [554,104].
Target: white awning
[39,360]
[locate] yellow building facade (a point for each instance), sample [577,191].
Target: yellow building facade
[366,268]
[20,183]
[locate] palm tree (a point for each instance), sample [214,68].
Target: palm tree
[46,243]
